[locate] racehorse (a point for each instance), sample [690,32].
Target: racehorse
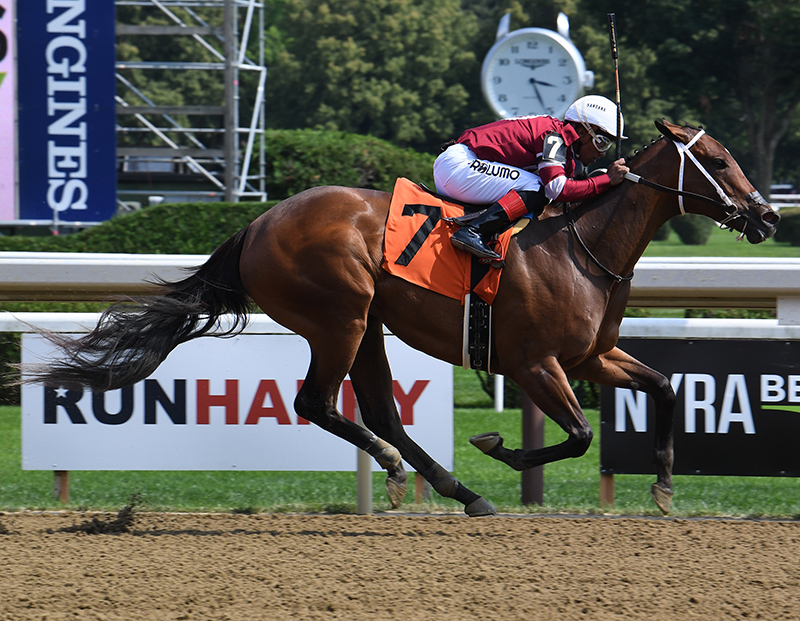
[313,263]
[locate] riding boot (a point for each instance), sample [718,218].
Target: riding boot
[497,218]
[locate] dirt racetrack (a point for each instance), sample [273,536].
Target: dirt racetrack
[222,566]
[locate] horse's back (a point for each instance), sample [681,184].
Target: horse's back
[320,249]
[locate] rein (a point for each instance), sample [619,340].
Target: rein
[583,245]
[733,212]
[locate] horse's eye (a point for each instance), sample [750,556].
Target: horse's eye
[720,164]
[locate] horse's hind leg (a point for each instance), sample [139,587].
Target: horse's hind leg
[372,383]
[316,401]
[616,368]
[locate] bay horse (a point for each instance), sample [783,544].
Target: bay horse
[313,263]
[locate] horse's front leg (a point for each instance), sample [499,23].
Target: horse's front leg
[546,384]
[618,369]
[372,383]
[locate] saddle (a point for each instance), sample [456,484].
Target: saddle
[417,249]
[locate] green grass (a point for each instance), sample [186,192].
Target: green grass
[720,244]
[571,486]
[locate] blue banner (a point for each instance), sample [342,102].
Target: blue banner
[66,110]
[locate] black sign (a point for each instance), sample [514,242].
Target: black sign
[737,411]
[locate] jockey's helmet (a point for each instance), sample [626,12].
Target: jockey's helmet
[598,111]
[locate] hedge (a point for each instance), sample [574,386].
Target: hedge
[789,229]
[693,229]
[300,159]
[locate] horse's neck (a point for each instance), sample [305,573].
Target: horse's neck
[618,225]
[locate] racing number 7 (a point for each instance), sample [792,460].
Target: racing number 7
[434,214]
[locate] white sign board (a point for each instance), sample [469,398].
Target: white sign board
[221,404]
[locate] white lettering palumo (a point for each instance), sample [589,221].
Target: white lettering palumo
[66,57]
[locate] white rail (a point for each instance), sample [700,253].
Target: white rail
[693,282]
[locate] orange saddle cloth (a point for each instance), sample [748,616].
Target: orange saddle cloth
[417,246]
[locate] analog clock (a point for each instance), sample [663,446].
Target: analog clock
[533,71]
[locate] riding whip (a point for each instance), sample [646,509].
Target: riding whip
[612,39]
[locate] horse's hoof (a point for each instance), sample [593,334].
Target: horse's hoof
[396,490]
[486,441]
[662,497]
[480,508]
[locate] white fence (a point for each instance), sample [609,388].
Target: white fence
[693,282]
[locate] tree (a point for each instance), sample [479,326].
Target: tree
[394,69]
[728,64]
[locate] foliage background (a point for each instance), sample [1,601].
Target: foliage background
[408,71]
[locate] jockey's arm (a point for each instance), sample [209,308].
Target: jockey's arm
[559,187]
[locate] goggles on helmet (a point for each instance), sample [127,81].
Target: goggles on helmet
[601,142]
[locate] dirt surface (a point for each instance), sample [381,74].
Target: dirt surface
[175,566]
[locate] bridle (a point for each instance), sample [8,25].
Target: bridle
[733,212]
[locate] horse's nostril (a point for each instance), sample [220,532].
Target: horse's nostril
[771,217]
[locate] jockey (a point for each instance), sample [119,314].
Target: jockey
[521,164]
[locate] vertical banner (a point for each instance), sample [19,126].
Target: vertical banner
[8,151]
[67,142]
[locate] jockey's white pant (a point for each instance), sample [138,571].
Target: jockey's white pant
[459,174]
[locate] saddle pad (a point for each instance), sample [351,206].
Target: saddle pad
[417,246]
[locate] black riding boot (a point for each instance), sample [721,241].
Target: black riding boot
[472,237]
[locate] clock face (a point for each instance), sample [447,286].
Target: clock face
[532,71]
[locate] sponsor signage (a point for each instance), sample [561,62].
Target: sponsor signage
[221,404]
[8,153]
[67,142]
[737,410]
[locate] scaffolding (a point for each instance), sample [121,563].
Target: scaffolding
[208,144]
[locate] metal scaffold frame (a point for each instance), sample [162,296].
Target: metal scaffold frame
[237,171]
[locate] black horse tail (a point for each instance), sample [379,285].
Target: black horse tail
[134,337]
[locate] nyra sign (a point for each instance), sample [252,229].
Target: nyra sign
[221,404]
[737,412]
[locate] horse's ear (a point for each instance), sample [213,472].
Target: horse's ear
[662,126]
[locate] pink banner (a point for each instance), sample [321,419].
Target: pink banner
[8,149]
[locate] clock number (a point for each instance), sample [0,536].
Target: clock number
[433,213]
[562,62]
[502,97]
[532,45]
[515,49]
[497,79]
[567,79]
[503,62]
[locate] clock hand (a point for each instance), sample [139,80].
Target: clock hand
[535,81]
[538,95]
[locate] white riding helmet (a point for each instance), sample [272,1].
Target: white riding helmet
[598,111]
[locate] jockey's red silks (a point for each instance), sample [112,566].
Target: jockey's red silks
[417,245]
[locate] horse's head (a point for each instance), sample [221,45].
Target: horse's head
[708,169]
